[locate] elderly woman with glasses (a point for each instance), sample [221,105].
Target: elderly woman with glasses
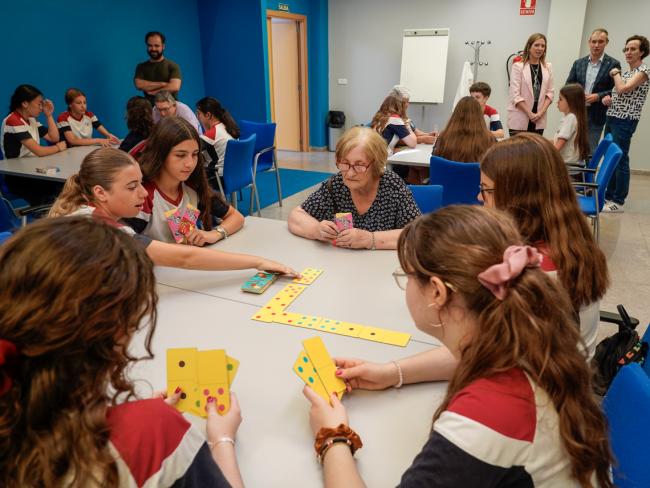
[378,201]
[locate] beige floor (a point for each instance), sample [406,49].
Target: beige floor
[625,238]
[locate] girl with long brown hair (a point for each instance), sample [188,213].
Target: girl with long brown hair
[174,177]
[526,177]
[519,409]
[571,136]
[390,122]
[109,188]
[465,138]
[73,293]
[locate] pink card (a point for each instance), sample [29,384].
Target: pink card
[343,221]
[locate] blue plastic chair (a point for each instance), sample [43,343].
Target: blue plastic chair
[265,154]
[427,197]
[601,150]
[591,203]
[460,180]
[237,170]
[626,407]
[4,236]
[646,339]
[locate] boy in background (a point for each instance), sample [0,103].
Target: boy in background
[481,91]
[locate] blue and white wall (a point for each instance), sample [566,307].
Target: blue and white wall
[221,47]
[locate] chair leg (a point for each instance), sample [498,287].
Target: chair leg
[277,176]
[233,199]
[597,228]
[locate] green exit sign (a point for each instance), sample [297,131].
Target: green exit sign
[283,6]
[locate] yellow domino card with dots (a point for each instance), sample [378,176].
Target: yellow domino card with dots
[213,379]
[308,276]
[324,365]
[306,371]
[200,375]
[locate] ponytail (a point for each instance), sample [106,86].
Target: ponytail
[214,107]
[70,199]
[98,168]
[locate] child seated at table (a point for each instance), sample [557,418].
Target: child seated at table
[465,138]
[175,177]
[482,91]
[20,136]
[109,188]
[77,124]
[519,409]
[139,121]
[73,294]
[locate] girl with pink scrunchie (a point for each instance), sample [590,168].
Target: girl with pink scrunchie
[518,409]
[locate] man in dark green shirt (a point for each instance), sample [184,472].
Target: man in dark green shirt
[158,73]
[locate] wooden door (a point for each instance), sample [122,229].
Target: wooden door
[286,82]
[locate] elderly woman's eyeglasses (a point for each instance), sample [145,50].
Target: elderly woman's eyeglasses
[358,168]
[485,190]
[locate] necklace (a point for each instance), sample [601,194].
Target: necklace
[535,69]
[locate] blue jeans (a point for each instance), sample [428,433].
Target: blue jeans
[622,131]
[593,134]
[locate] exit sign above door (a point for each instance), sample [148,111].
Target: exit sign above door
[283,6]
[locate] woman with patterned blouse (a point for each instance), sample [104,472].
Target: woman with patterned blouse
[379,201]
[628,96]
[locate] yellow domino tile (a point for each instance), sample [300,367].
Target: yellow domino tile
[394,338]
[213,379]
[232,365]
[291,318]
[372,333]
[264,315]
[306,371]
[181,364]
[324,365]
[309,275]
[287,295]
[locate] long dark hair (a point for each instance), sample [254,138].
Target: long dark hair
[575,99]
[531,182]
[139,118]
[466,137]
[531,329]
[73,292]
[23,93]
[209,105]
[167,134]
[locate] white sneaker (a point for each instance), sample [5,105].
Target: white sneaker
[613,207]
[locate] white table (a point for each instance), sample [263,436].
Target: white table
[275,443]
[356,285]
[419,156]
[68,161]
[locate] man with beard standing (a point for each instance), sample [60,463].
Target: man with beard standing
[157,73]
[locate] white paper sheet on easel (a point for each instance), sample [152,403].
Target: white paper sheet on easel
[424,64]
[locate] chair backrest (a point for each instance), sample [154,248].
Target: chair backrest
[237,164]
[8,219]
[427,197]
[606,170]
[626,407]
[138,149]
[265,132]
[598,154]
[4,236]
[460,180]
[646,364]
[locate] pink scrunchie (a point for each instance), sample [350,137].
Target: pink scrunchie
[515,259]
[8,355]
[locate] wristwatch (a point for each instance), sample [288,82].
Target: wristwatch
[222,230]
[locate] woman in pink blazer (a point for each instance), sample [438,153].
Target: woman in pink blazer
[531,88]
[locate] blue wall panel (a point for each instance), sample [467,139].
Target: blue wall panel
[95,46]
[233,56]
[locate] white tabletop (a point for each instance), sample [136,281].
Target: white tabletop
[356,285]
[419,156]
[67,161]
[275,443]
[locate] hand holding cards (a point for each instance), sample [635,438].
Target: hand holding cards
[182,221]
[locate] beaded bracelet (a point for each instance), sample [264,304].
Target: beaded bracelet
[220,440]
[400,374]
[329,443]
[326,434]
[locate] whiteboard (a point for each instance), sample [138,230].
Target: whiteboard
[424,64]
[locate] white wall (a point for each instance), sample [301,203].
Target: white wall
[622,20]
[563,49]
[365,43]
